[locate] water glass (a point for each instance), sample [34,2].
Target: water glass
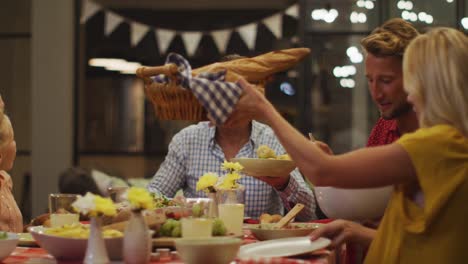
[196,227]
[61,210]
[231,209]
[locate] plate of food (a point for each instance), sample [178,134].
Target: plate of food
[266,167]
[69,242]
[268,163]
[268,231]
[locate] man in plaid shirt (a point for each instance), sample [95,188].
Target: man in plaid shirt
[202,148]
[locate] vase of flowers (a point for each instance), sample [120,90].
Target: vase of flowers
[95,207]
[207,183]
[223,189]
[137,238]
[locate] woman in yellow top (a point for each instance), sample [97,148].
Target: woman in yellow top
[425,219]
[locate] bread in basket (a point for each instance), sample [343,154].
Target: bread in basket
[173,102]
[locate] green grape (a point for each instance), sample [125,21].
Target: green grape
[3,235]
[197,210]
[167,227]
[177,231]
[219,229]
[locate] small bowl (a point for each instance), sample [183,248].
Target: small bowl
[63,248]
[267,231]
[7,245]
[215,250]
[353,204]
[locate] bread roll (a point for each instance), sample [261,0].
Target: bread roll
[259,68]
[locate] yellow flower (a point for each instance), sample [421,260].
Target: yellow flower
[207,182]
[140,198]
[232,177]
[231,166]
[229,181]
[94,205]
[104,206]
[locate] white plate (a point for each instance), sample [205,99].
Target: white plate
[284,247]
[266,167]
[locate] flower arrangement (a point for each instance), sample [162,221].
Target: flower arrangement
[209,182]
[140,199]
[94,205]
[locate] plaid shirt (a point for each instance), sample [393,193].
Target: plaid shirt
[194,152]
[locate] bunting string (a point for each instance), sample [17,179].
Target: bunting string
[191,39]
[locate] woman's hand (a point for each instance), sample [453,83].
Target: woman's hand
[324,147]
[251,106]
[343,231]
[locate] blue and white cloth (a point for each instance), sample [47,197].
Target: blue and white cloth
[214,94]
[194,151]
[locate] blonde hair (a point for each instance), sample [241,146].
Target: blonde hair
[436,74]
[6,129]
[390,39]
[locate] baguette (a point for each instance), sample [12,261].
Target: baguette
[259,68]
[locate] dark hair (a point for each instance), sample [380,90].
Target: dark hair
[77,180]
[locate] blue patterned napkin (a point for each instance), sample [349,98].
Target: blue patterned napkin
[214,94]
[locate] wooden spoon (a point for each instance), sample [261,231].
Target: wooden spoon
[289,216]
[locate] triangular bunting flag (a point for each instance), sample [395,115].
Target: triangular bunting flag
[191,41]
[293,11]
[164,38]
[111,23]
[274,24]
[248,33]
[137,31]
[221,38]
[88,9]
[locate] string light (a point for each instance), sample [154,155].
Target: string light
[464,22]
[354,55]
[328,16]
[113,64]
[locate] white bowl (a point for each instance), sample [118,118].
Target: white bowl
[266,167]
[7,245]
[267,231]
[63,248]
[353,204]
[215,250]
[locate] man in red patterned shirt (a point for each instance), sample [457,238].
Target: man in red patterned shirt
[384,72]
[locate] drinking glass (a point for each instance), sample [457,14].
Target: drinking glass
[231,209]
[61,210]
[197,223]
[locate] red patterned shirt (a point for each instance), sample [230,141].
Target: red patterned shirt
[383,133]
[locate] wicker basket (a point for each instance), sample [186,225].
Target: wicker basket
[170,101]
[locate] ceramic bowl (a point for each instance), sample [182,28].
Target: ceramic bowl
[266,167]
[7,245]
[215,250]
[353,204]
[267,231]
[63,248]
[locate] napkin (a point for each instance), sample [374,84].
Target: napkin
[216,95]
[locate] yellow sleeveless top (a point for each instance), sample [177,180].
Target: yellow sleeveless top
[438,231]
